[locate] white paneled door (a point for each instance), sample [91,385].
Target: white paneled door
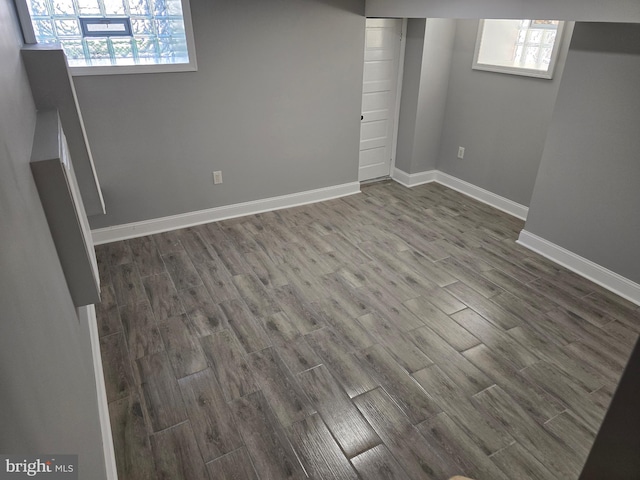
[380,82]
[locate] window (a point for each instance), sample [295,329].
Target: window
[114,36]
[519,47]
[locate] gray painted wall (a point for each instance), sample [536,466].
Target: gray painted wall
[425,82]
[584,10]
[500,119]
[275,104]
[48,396]
[587,193]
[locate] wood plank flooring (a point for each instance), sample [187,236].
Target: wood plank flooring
[395,334]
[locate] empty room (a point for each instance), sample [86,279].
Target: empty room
[326,239]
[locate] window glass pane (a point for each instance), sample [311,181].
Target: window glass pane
[67,28]
[514,44]
[139,7]
[44,30]
[89,7]
[63,7]
[75,52]
[146,48]
[114,7]
[535,36]
[38,7]
[122,51]
[172,50]
[98,51]
[174,7]
[142,26]
[169,27]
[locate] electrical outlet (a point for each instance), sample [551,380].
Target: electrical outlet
[460,152]
[217,177]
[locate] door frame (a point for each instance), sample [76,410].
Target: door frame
[396,118]
[396,113]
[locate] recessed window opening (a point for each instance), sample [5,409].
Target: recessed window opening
[519,47]
[116,36]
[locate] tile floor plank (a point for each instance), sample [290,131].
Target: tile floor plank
[299,310]
[443,431]
[140,329]
[377,463]
[559,385]
[127,284]
[107,314]
[485,307]
[146,256]
[298,356]
[342,418]
[265,439]
[517,462]
[182,271]
[318,451]
[232,466]
[495,338]
[288,401]
[529,395]
[229,363]
[485,433]
[411,398]
[419,459]
[176,454]
[249,330]
[258,299]
[346,326]
[397,342]
[161,394]
[345,367]
[210,417]
[540,443]
[130,439]
[182,345]
[118,376]
[215,276]
[439,322]
[163,296]
[464,374]
[205,315]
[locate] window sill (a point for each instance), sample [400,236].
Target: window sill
[523,72]
[133,69]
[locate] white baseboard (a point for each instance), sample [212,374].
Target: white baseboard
[470,190]
[88,314]
[413,179]
[165,224]
[485,196]
[606,278]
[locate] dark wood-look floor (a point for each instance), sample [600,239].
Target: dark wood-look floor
[395,334]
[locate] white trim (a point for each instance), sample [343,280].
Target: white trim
[485,196]
[396,118]
[88,313]
[606,278]
[86,71]
[174,222]
[470,190]
[413,179]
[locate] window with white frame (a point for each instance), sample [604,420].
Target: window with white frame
[114,36]
[519,47]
